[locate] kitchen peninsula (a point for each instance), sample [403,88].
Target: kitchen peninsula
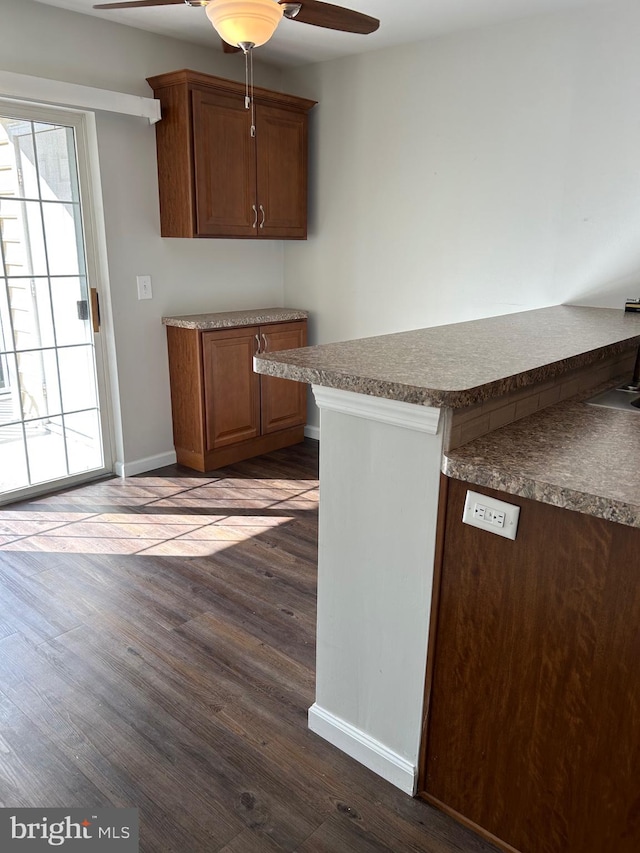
[398,410]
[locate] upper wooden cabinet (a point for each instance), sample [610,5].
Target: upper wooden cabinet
[215,178]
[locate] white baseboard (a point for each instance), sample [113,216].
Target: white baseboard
[365,749]
[312,432]
[149,463]
[141,466]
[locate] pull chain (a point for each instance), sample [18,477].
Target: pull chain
[253,111]
[247,99]
[248,85]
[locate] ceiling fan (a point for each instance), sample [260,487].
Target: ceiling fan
[245,24]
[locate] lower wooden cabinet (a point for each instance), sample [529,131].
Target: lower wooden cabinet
[224,412]
[533,707]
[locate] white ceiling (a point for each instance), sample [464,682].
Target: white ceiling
[402,21]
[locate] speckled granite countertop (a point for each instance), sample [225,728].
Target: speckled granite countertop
[464,363]
[229,319]
[572,455]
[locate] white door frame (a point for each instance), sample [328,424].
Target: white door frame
[95,245]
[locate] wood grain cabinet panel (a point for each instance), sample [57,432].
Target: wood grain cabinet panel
[533,716]
[225,167]
[224,412]
[284,403]
[281,172]
[216,178]
[231,388]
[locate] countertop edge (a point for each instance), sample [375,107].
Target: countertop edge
[269,364]
[235,319]
[570,454]
[606,508]
[277,365]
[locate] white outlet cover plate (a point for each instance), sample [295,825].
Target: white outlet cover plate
[511,514]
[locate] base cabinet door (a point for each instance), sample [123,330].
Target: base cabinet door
[231,388]
[533,720]
[283,403]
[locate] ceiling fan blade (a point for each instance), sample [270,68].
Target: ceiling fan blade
[132,4]
[333,17]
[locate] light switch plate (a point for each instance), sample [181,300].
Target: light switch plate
[143,283]
[491,514]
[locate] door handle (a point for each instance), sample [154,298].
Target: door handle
[255,213]
[257,352]
[264,216]
[264,340]
[95,309]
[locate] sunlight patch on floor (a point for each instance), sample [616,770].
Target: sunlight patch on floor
[148,529]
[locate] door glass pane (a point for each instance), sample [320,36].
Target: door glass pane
[30,305]
[84,444]
[22,236]
[56,162]
[39,389]
[43,318]
[4,378]
[9,391]
[20,178]
[63,234]
[77,377]
[6,337]
[46,450]
[70,299]
[13,459]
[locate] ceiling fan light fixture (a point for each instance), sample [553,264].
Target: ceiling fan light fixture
[238,21]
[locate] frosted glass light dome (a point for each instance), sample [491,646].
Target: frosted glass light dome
[238,21]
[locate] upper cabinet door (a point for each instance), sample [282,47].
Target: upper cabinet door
[224,164]
[281,172]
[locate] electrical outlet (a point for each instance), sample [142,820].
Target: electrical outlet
[491,514]
[144,287]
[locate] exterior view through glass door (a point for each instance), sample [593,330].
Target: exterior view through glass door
[50,416]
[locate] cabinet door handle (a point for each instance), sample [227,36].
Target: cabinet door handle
[257,352]
[264,341]
[264,216]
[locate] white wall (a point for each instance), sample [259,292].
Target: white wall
[188,275]
[476,174]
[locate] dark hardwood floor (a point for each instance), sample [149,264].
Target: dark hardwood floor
[157,651]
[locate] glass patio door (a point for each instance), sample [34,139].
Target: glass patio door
[51,428]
